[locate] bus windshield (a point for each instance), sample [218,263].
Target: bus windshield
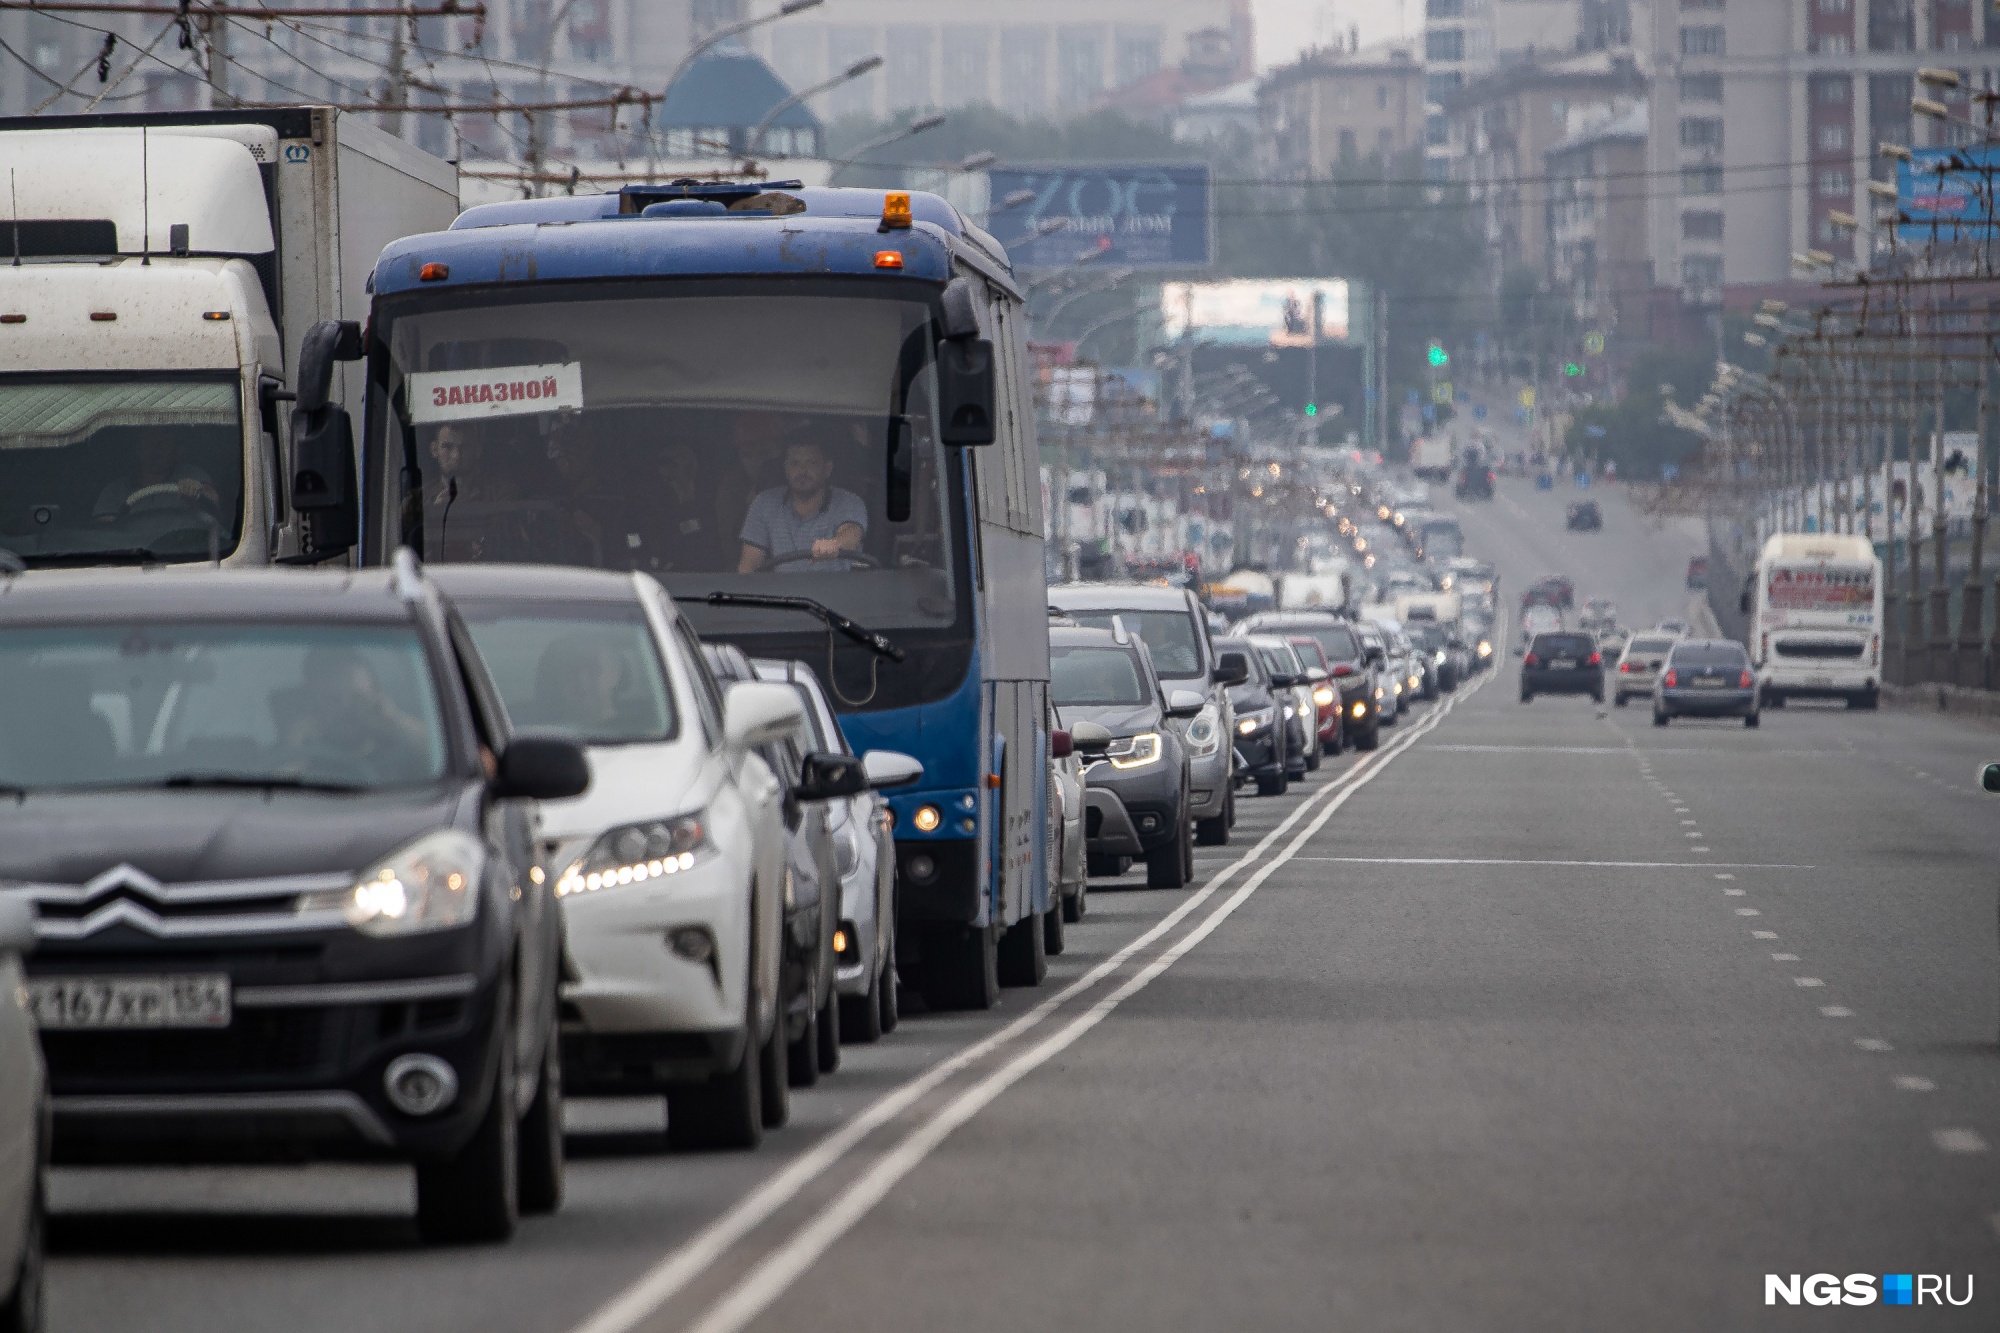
[770,436]
[120,468]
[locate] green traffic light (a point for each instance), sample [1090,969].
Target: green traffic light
[1572,368]
[1439,357]
[1312,409]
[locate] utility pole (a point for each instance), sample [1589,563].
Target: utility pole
[215,25]
[1312,368]
[1382,371]
[398,92]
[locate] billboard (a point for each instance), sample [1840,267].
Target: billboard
[1943,192]
[1254,312]
[1136,216]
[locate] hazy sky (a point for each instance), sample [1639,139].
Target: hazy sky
[1287,27]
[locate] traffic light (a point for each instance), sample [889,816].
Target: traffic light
[1312,409]
[1571,368]
[1439,358]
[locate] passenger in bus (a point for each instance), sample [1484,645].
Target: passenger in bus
[681,534]
[806,523]
[757,444]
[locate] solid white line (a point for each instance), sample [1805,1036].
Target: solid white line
[1510,861]
[782,1267]
[673,1271]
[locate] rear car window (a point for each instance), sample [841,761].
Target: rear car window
[1651,645]
[1711,655]
[1564,645]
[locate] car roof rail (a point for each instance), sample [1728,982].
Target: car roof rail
[407,575]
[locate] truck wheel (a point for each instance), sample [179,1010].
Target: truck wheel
[962,967]
[1024,958]
[1053,939]
[542,1133]
[475,1195]
[829,1033]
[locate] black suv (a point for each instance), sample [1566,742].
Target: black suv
[279,840]
[1347,664]
[1562,664]
[1583,516]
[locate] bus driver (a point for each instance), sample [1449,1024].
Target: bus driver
[805,519]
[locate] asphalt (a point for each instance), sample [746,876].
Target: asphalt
[1538,1018]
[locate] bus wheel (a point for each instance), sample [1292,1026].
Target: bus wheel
[962,968]
[1024,955]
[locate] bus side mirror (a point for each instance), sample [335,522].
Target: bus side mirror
[323,481]
[966,391]
[1989,777]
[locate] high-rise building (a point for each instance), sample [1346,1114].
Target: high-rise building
[1334,107]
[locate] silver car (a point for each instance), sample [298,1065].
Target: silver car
[1639,666]
[24,1125]
[864,942]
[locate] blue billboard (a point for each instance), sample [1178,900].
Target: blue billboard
[1135,216]
[1946,193]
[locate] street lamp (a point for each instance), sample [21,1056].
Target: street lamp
[979,161]
[909,131]
[754,141]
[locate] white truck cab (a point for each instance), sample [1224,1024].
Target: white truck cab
[158,276]
[1816,618]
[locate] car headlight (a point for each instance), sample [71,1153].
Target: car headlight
[1204,731]
[432,884]
[846,847]
[637,853]
[1135,751]
[1485,648]
[1323,695]
[1248,724]
[1361,705]
[1438,657]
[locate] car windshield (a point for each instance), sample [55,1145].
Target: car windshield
[1169,636]
[589,672]
[141,469]
[200,704]
[1093,676]
[625,429]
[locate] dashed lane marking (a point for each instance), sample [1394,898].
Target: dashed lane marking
[1958,1140]
[1914,1083]
[1873,1044]
[1836,1011]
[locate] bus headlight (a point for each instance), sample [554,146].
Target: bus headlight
[1135,751]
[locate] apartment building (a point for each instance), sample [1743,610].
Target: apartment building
[1030,58]
[1597,243]
[1766,119]
[1331,108]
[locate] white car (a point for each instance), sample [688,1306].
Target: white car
[1639,666]
[24,1122]
[671,869]
[865,939]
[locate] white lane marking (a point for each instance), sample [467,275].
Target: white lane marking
[1732,893]
[1958,1140]
[1686,822]
[777,1271]
[1748,911]
[1697,849]
[1873,1044]
[1784,958]
[1836,1011]
[1513,861]
[1914,1083]
[674,1270]
[1725,877]
[1807,981]
[1690,834]
[1763,934]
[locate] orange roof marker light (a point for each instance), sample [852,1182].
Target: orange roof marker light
[888,259]
[433,272]
[896,210]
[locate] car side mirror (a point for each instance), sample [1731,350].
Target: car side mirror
[1989,777]
[1090,738]
[757,713]
[827,777]
[1232,669]
[1185,703]
[891,768]
[1315,674]
[17,925]
[1060,744]
[542,768]
[1283,680]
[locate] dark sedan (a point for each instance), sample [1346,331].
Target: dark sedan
[1706,678]
[1347,667]
[1261,752]
[1562,664]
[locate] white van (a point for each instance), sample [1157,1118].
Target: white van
[1816,619]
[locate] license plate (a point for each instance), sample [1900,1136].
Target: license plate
[1564,663]
[1819,680]
[1709,683]
[130,1002]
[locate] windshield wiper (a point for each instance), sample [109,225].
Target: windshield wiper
[11,562]
[143,554]
[286,782]
[820,611]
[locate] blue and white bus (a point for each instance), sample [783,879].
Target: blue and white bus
[685,379]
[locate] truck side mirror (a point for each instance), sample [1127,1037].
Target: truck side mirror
[966,381]
[323,480]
